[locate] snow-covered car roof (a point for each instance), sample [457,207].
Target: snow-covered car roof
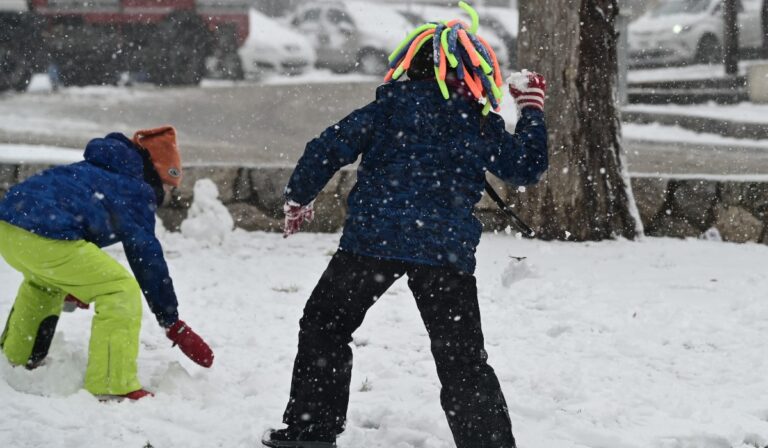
[381,21]
[263,28]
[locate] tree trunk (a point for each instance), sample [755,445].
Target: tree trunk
[731,33]
[764,22]
[585,194]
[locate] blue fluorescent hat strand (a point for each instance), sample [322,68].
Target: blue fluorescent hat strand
[456,44]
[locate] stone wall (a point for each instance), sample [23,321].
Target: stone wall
[690,207]
[668,206]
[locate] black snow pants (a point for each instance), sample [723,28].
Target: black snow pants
[447,300]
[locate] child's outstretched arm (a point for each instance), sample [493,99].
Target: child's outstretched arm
[521,158]
[145,256]
[339,145]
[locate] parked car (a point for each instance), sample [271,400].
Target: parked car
[272,47]
[353,35]
[498,26]
[690,31]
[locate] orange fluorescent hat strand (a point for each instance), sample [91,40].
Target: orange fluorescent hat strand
[417,43]
[470,81]
[469,47]
[496,68]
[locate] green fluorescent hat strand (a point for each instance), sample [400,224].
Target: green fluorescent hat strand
[455,43]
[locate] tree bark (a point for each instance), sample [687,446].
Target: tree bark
[731,33]
[585,194]
[764,22]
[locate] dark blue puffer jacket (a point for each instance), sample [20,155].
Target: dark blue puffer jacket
[103,200]
[422,171]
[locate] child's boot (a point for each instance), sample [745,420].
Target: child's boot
[312,436]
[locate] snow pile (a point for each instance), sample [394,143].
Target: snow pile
[208,220]
[659,343]
[518,269]
[39,154]
[712,234]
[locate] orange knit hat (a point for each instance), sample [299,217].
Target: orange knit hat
[161,145]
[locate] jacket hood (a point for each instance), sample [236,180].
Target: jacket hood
[115,153]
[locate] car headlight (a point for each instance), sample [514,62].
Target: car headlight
[680,29]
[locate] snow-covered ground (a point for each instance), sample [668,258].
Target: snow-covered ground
[700,71]
[39,154]
[655,132]
[40,83]
[658,343]
[743,112]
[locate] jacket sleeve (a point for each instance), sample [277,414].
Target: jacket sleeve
[339,145]
[520,158]
[145,256]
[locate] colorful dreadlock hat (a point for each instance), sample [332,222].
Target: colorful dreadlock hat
[455,43]
[161,145]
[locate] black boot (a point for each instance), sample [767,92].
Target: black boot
[311,436]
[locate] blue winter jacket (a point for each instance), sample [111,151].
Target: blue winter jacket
[103,200]
[422,171]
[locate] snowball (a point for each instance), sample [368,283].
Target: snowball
[519,80]
[208,220]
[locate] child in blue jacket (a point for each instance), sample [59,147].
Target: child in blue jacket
[423,166]
[52,229]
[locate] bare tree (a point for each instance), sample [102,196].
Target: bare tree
[764,23]
[586,194]
[731,33]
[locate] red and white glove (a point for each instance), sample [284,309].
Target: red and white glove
[528,89]
[295,215]
[72,303]
[190,343]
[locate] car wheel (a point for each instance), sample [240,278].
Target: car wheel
[86,72]
[709,50]
[342,69]
[373,62]
[15,71]
[230,66]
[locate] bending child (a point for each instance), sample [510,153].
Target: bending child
[52,229]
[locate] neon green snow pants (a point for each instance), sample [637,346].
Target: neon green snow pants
[52,269]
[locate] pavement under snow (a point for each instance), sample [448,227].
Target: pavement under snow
[657,343]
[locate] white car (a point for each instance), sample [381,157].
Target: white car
[352,35]
[690,31]
[272,47]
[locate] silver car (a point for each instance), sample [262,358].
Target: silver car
[351,36]
[690,31]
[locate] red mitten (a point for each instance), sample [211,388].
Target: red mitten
[71,303]
[190,343]
[295,215]
[528,89]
